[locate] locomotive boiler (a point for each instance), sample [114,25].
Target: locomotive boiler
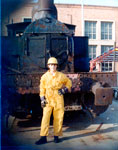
[24,60]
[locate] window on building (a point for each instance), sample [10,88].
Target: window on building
[27,19]
[90,29]
[106,30]
[106,66]
[92,51]
[105,48]
[33,1]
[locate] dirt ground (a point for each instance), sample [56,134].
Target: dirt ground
[79,132]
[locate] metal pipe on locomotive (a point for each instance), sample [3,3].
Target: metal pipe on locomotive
[25,60]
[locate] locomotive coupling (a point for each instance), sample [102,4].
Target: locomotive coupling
[103,96]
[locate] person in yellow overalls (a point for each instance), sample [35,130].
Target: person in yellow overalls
[53,85]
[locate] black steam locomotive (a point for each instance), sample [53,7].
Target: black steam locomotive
[24,60]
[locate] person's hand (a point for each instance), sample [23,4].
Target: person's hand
[43,102]
[63,91]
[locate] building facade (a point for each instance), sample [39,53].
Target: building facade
[99,23]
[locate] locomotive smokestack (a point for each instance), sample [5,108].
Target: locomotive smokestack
[44,9]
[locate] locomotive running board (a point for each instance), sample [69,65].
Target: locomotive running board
[103,96]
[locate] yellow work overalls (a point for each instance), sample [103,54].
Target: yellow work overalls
[49,86]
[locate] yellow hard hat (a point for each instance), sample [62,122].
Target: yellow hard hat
[52,60]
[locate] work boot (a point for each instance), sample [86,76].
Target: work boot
[56,139]
[42,140]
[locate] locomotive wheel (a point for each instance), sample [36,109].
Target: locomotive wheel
[99,109]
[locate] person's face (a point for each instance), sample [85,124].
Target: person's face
[52,67]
